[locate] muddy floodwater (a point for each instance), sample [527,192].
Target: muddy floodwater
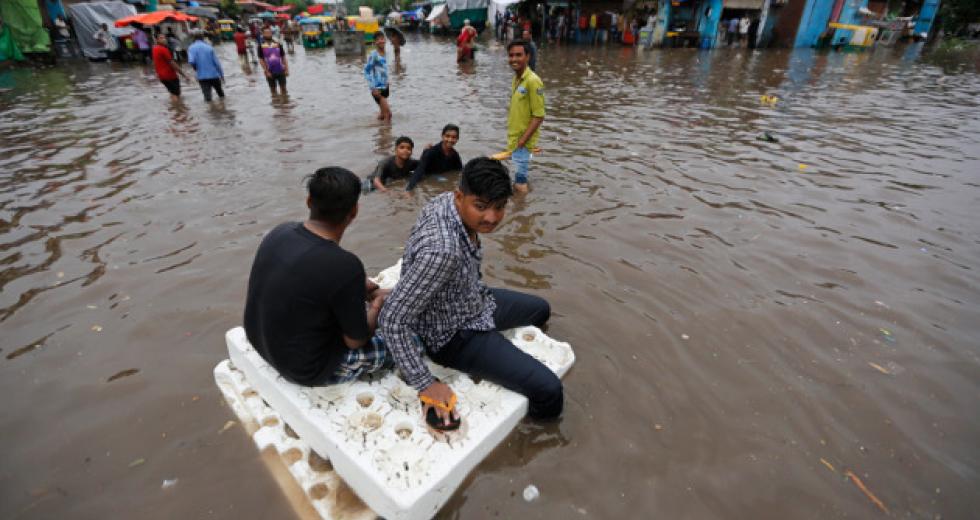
[755,319]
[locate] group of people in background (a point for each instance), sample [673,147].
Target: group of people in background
[737,30]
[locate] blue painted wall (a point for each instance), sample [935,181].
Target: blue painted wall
[927,15]
[849,14]
[708,25]
[662,22]
[814,21]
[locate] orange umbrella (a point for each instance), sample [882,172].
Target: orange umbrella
[155,18]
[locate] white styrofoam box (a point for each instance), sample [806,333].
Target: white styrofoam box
[373,432]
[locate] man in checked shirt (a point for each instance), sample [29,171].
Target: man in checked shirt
[442,308]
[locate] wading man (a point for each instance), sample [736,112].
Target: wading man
[441,306]
[167,69]
[273,60]
[526,111]
[210,76]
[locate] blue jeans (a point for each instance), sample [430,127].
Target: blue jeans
[488,355]
[522,162]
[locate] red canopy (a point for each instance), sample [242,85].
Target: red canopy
[315,9]
[265,6]
[155,18]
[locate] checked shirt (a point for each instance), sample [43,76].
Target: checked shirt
[439,293]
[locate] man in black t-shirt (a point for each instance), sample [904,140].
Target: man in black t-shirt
[310,311]
[438,159]
[397,166]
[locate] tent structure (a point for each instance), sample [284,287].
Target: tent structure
[473,10]
[500,6]
[439,16]
[23,18]
[8,48]
[88,18]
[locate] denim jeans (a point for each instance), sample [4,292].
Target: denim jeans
[522,162]
[488,355]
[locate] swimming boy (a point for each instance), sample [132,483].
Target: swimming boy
[376,73]
[438,159]
[398,166]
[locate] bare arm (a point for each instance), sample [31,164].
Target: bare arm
[531,128]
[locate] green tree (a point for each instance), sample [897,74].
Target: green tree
[957,14]
[298,5]
[230,8]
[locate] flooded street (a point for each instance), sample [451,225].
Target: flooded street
[752,319]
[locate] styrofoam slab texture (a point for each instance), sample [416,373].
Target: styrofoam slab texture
[325,491]
[372,430]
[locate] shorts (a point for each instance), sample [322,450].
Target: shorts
[383,93]
[242,52]
[280,78]
[173,86]
[521,158]
[368,359]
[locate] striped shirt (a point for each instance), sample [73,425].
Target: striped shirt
[440,291]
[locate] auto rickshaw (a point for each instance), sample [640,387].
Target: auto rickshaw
[316,31]
[367,26]
[227,28]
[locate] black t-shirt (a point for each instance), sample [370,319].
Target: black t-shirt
[388,170]
[434,161]
[304,293]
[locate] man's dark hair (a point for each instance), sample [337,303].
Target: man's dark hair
[404,139]
[522,43]
[333,193]
[487,179]
[379,34]
[449,128]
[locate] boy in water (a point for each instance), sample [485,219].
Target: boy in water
[438,159]
[376,73]
[398,166]
[273,60]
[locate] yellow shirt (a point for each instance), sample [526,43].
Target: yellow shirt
[593,21]
[526,101]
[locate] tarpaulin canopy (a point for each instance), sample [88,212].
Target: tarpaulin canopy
[87,19]
[24,19]
[207,12]
[436,12]
[155,17]
[462,5]
[8,48]
[315,9]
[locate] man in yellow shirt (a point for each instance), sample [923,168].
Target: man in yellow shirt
[526,111]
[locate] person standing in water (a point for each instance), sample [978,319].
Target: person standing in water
[376,74]
[167,69]
[274,64]
[526,111]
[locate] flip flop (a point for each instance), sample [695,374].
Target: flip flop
[432,418]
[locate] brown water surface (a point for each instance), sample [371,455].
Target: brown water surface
[752,319]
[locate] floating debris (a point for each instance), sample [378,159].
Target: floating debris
[96,328]
[226,427]
[768,100]
[767,137]
[685,336]
[137,462]
[864,489]
[879,368]
[531,493]
[168,483]
[829,465]
[802,166]
[121,374]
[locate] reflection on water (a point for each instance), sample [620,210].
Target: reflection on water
[753,317]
